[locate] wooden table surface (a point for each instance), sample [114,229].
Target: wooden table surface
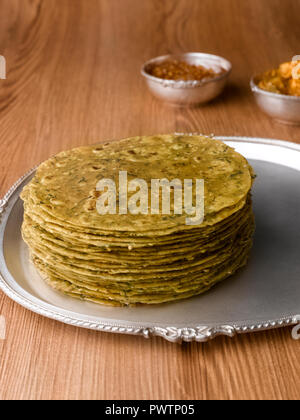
[73,79]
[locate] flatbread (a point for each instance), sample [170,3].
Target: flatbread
[121,260]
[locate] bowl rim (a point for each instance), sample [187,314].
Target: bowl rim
[256,89]
[185,83]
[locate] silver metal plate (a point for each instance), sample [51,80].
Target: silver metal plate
[264,295]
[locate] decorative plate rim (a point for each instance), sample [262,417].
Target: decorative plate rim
[200,333]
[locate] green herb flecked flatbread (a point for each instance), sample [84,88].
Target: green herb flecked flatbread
[138,259]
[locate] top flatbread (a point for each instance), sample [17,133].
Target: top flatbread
[63,186]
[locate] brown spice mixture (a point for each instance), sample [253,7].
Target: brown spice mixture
[180,70]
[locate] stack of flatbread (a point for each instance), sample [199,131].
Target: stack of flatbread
[88,245]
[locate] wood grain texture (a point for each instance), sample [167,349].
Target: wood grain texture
[73,79]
